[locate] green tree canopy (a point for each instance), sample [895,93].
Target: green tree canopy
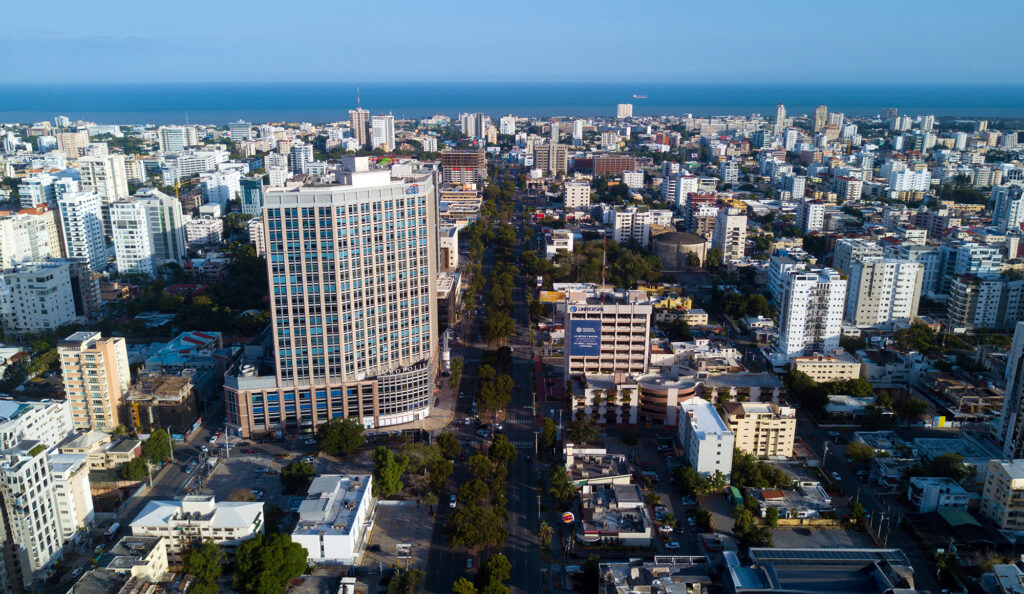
[449,445]
[135,469]
[502,451]
[339,437]
[157,448]
[297,476]
[463,586]
[205,562]
[548,434]
[859,452]
[265,564]
[387,472]
[562,488]
[440,470]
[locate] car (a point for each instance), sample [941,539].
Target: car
[660,509]
[204,449]
[469,563]
[836,476]
[687,501]
[249,451]
[498,427]
[309,460]
[374,548]
[462,394]
[309,441]
[672,545]
[664,448]
[77,572]
[833,434]
[691,521]
[483,433]
[665,529]
[452,502]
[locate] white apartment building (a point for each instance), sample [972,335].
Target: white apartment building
[624,110]
[631,225]
[174,139]
[507,125]
[148,232]
[96,378]
[606,332]
[794,184]
[31,515]
[221,187]
[278,176]
[882,291]
[634,180]
[557,240]
[28,237]
[848,189]
[240,130]
[1007,206]
[1002,499]
[761,428]
[707,441]
[37,297]
[37,189]
[81,220]
[382,132]
[72,493]
[930,259]
[810,216]
[195,518]
[46,421]
[930,493]
[301,157]
[729,171]
[203,231]
[811,312]
[910,180]
[680,185]
[577,195]
[254,228]
[850,250]
[730,234]
[333,519]
[106,176]
[179,167]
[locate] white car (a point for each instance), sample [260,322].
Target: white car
[672,546]
[836,476]
[452,502]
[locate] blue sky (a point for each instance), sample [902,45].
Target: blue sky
[552,41]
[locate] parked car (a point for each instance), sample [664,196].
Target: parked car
[836,476]
[672,546]
[833,434]
[452,502]
[483,433]
[309,441]
[249,451]
[77,572]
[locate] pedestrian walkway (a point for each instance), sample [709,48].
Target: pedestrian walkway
[520,420]
[523,444]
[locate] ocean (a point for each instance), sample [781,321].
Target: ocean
[326,102]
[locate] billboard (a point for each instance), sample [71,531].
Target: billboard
[552,296]
[584,338]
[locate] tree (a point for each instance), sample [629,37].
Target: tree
[463,586]
[548,435]
[713,260]
[857,518]
[241,494]
[296,476]
[859,452]
[205,562]
[387,472]
[405,582]
[455,374]
[703,518]
[669,520]
[449,445]
[429,499]
[473,492]
[652,499]
[582,431]
[913,408]
[339,437]
[692,260]
[265,564]
[502,451]
[135,469]
[771,516]
[473,526]
[562,488]
[544,534]
[420,456]
[157,448]
[494,572]
[480,466]
[440,470]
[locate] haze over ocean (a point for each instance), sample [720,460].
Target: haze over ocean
[258,102]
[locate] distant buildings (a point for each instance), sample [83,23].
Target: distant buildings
[577,195]
[810,216]
[462,167]
[883,291]
[174,139]
[631,225]
[382,132]
[359,124]
[148,233]
[624,110]
[551,158]
[81,219]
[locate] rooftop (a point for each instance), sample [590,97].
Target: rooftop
[704,418]
[332,504]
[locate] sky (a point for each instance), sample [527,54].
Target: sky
[827,41]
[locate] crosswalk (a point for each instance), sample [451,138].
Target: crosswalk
[523,444]
[519,421]
[520,444]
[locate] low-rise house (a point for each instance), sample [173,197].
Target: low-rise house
[807,499]
[590,465]
[195,518]
[885,368]
[666,574]
[930,493]
[828,368]
[615,515]
[334,517]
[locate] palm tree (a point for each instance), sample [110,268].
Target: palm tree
[544,534]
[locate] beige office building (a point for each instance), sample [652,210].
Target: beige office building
[551,158]
[96,377]
[622,321]
[762,428]
[1002,500]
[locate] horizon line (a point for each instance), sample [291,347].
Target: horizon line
[514,82]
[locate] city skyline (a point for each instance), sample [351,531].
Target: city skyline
[768,44]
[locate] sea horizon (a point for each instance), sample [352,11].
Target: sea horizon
[219,103]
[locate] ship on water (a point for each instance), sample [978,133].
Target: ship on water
[639,96]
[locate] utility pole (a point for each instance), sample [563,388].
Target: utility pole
[170,444]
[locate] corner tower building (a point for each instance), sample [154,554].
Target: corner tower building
[352,271]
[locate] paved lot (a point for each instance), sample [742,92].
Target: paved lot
[818,538]
[407,523]
[247,472]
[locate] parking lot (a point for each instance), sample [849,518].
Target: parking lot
[820,538]
[248,472]
[406,523]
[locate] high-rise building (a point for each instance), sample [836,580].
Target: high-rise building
[551,158]
[148,232]
[175,139]
[820,118]
[910,180]
[252,195]
[40,296]
[631,225]
[794,184]
[106,176]
[706,439]
[33,537]
[624,110]
[240,130]
[72,143]
[382,132]
[353,327]
[789,138]
[617,329]
[359,124]
[810,216]
[577,130]
[96,378]
[761,428]
[850,250]
[463,167]
[780,119]
[811,312]
[1011,428]
[883,291]
[848,188]
[730,234]
[474,125]
[984,301]
[577,195]
[221,187]
[28,236]
[1007,206]
[729,171]
[301,157]
[507,125]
